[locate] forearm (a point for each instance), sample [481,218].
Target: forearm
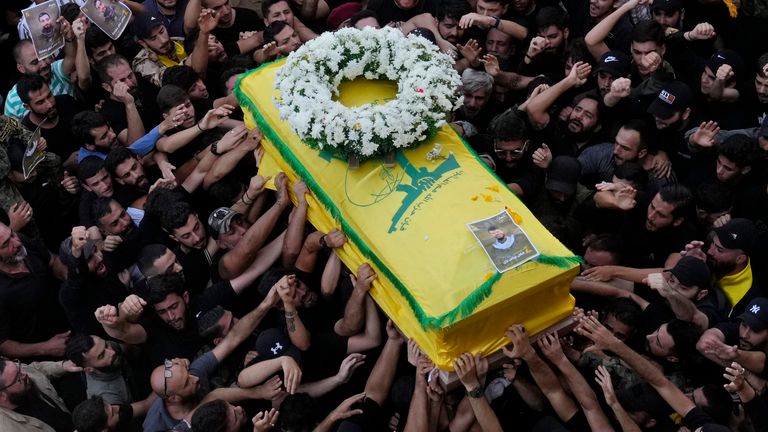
[296,331]
[224,164]
[82,66]
[383,374]
[195,178]
[530,393]
[70,52]
[611,100]
[320,388]
[194,7]
[170,144]
[146,144]
[484,415]
[13,349]
[141,407]
[595,39]
[239,258]
[309,252]
[754,361]
[625,421]
[309,9]
[513,29]
[604,289]
[304,32]
[513,80]
[258,373]
[584,395]
[550,386]
[354,314]
[135,125]
[265,259]
[249,44]
[634,274]
[199,58]
[538,107]
[331,275]
[685,310]
[418,412]
[294,235]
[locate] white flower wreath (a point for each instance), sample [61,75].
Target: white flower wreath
[427,91]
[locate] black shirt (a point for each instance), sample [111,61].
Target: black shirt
[59,138]
[245,20]
[387,11]
[648,249]
[114,111]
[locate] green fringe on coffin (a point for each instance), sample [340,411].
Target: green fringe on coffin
[465,307]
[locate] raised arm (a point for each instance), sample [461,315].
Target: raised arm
[595,39]
[297,221]
[118,327]
[354,312]
[297,332]
[466,367]
[538,107]
[245,326]
[191,14]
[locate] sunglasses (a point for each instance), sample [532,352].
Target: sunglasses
[168,373]
[514,153]
[17,378]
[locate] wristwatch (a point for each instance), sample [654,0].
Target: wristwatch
[475,392]
[215,149]
[496,23]
[323,244]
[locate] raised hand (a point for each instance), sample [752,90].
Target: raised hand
[542,157]
[521,346]
[79,239]
[702,31]
[592,329]
[265,420]
[466,370]
[348,367]
[650,62]
[121,92]
[365,277]
[335,238]
[70,183]
[625,198]
[107,316]
[621,87]
[291,373]
[344,410]
[491,64]
[470,51]
[20,214]
[132,306]
[603,378]
[550,347]
[579,73]
[537,46]
[475,19]
[232,138]
[724,72]
[207,21]
[215,117]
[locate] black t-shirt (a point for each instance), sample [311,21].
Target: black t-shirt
[196,264]
[166,343]
[43,408]
[647,249]
[55,209]
[245,20]
[59,138]
[114,111]
[387,11]
[529,177]
[29,307]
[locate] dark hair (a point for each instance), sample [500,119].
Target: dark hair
[160,199]
[719,403]
[685,335]
[210,417]
[224,192]
[713,197]
[508,126]
[18,48]
[648,31]
[115,157]
[95,38]
[43,14]
[161,286]
[578,52]
[70,12]
[741,150]
[107,63]
[89,415]
[632,172]
[641,127]
[452,9]
[761,63]
[590,95]
[147,257]
[624,310]
[77,345]
[170,96]
[606,243]
[181,75]
[680,197]
[425,33]
[273,29]
[89,167]
[175,216]
[227,74]
[101,207]
[265,5]
[29,83]
[84,122]
[298,413]
[551,16]
[208,323]
[361,15]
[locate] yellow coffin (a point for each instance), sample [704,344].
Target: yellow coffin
[409,221]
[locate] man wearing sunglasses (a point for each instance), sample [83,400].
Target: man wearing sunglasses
[28,400]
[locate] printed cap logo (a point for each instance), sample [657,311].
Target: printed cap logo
[276,349]
[667,97]
[610,59]
[754,309]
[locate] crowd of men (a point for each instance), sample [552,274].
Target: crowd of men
[150,281]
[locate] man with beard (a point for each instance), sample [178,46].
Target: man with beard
[507,151]
[546,52]
[172,13]
[56,73]
[28,400]
[47,29]
[743,341]
[52,114]
[131,103]
[106,10]
[476,111]
[577,132]
[88,283]
[755,99]
[123,237]
[729,256]
[31,321]
[161,51]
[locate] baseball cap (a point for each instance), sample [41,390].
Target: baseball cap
[692,272]
[667,5]
[674,96]
[221,218]
[738,233]
[273,343]
[342,13]
[756,314]
[615,63]
[65,252]
[728,57]
[563,174]
[144,23]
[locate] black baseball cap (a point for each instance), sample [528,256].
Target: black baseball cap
[563,174]
[144,23]
[756,314]
[729,57]
[738,233]
[674,97]
[692,272]
[615,63]
[273,343]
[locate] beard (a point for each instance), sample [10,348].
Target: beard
[720,269]
[15,258]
